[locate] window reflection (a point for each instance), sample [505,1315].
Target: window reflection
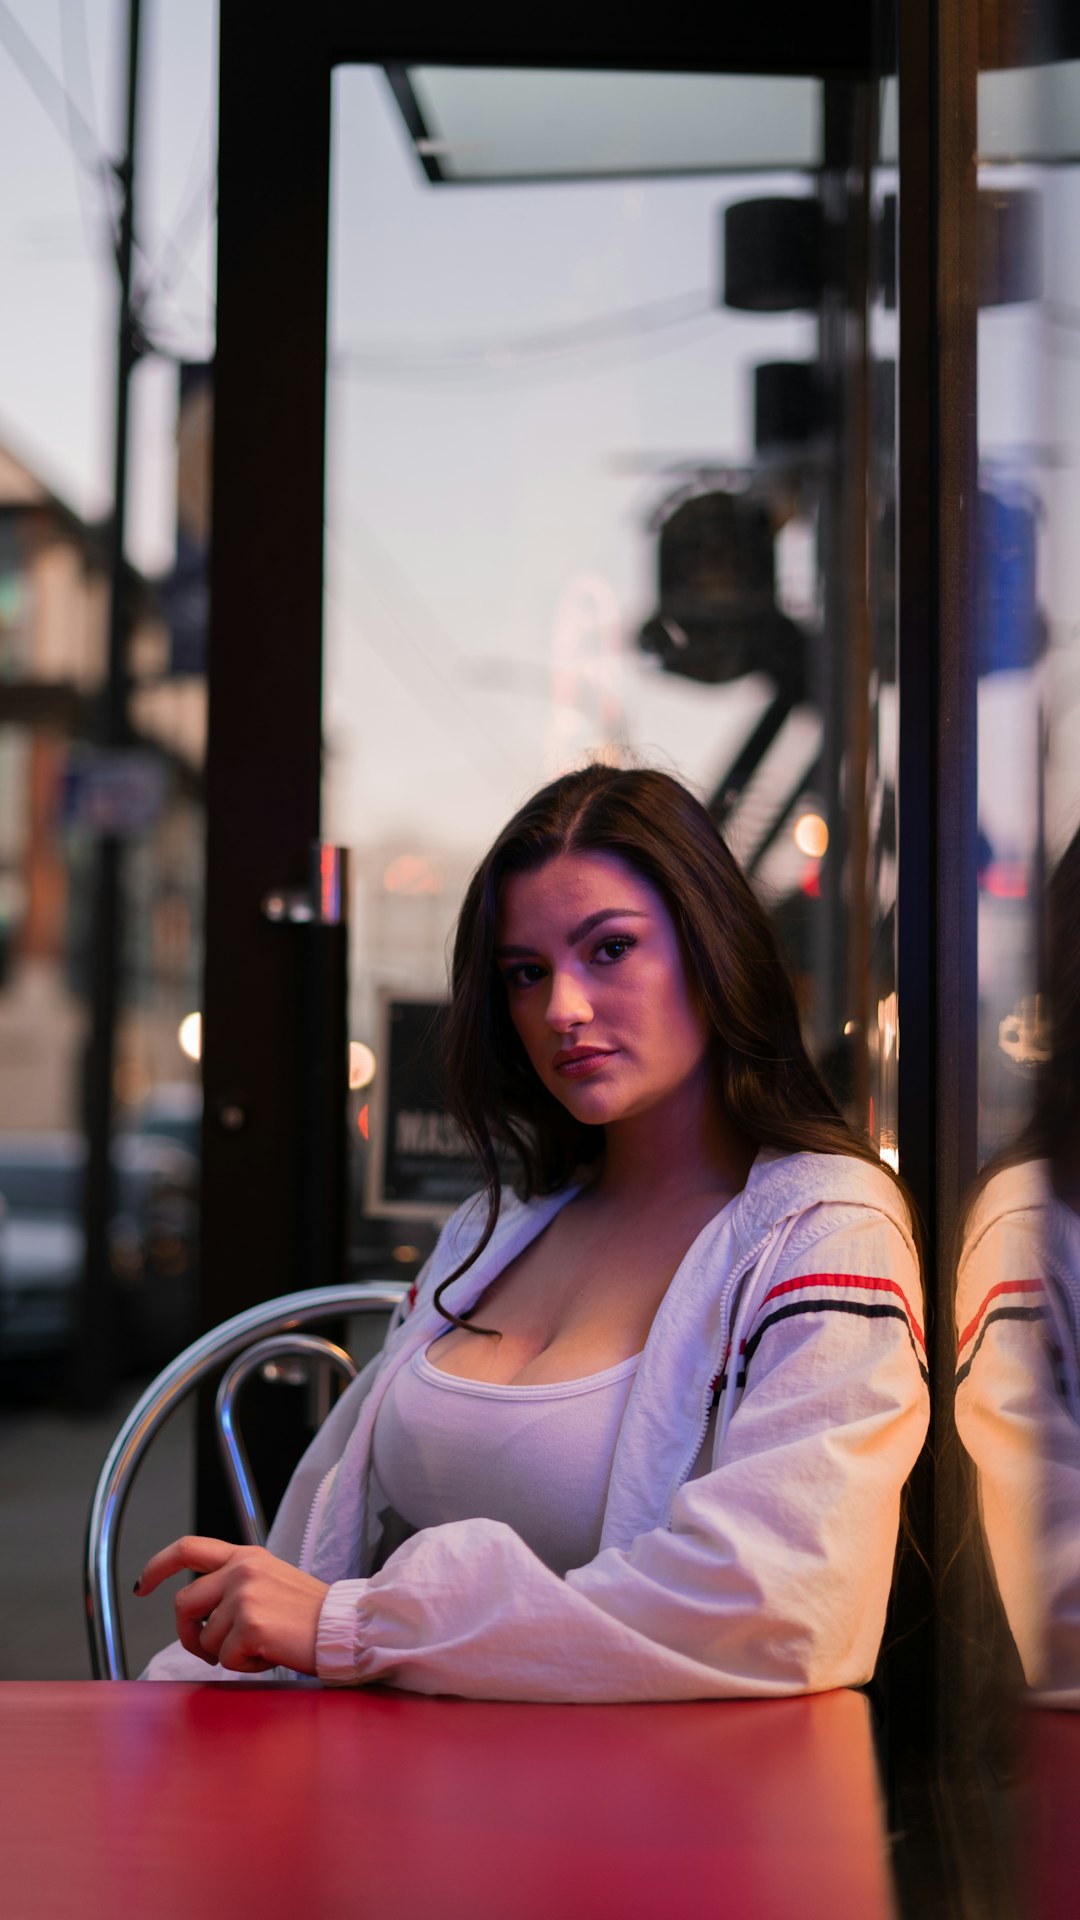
[1018,1284]
[588,497]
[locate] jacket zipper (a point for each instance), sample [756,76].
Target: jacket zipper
[687,1469]
[313,1517]
[731,1354]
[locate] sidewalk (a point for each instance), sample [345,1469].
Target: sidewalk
[49,1461]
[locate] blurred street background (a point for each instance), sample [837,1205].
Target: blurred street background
[565,425]
[50,1456]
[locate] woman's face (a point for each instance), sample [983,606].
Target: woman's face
[598,990]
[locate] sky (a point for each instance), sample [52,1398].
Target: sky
[491,487]
[492,490]
[507,518]
[58,311]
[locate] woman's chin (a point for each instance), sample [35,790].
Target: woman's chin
[592,1106]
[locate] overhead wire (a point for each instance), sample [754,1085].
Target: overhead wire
[194,209]
[397,586]
[49,91]
[520,357]
[575,334]
[155,323]
[62,109]
[192,201]
[75,50]
[56,97]
[412,685]
[526,355]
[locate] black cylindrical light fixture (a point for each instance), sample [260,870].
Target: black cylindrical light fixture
[773,255]
[788,410]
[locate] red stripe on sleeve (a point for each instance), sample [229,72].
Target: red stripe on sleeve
[873,1283]
[1003,1286]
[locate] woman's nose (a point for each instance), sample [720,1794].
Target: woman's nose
[568,1003]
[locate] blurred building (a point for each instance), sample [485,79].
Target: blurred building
[54,606]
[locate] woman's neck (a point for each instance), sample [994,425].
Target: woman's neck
[683,1146]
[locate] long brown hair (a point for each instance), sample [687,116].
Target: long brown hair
[764,1076]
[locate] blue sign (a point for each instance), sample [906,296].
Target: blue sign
[112,792]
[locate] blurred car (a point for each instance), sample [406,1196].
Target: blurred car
[173,1111]
[152,1240]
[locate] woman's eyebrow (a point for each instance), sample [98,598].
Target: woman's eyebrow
[594,919]
[576,933]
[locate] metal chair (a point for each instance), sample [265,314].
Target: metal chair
[261,1336]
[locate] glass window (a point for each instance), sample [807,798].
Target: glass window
[589,451]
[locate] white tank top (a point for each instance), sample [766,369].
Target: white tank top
[538,1457]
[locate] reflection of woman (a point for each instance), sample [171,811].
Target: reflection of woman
[1018,1332]
[644,1432]
[1018,1410]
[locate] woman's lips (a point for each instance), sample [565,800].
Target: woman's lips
[576,1063]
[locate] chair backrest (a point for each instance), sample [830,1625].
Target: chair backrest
[249,1339]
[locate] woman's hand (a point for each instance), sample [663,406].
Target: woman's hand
[248,1611]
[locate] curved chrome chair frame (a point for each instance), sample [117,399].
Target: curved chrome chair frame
[233,1452]
[275,1325]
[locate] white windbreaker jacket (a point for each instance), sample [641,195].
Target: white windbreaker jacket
[797,1313]
[1018,1412]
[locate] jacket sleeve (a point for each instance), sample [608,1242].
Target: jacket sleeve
[773,1574]
[1016,1352]
[174,1662]
[290,1523]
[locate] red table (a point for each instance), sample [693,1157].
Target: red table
[1049,1824]
[155,1801]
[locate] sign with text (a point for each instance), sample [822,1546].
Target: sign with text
[419,1165]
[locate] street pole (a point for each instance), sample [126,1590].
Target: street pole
[94,1357]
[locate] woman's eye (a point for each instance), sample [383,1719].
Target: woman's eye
[526,974]
[614,947]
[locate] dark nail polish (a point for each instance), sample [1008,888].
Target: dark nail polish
[138,1584]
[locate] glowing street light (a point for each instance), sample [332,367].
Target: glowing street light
[811,835]
[189,1034]
[361,1065]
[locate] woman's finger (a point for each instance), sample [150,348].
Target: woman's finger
[233,1649]
[212,1630]
[190,1629]
[198,1600]
[193,1550]
[203,1614]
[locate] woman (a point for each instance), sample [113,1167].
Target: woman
[644,1432]
[1018,1332]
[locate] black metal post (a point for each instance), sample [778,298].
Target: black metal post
[94,1356]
